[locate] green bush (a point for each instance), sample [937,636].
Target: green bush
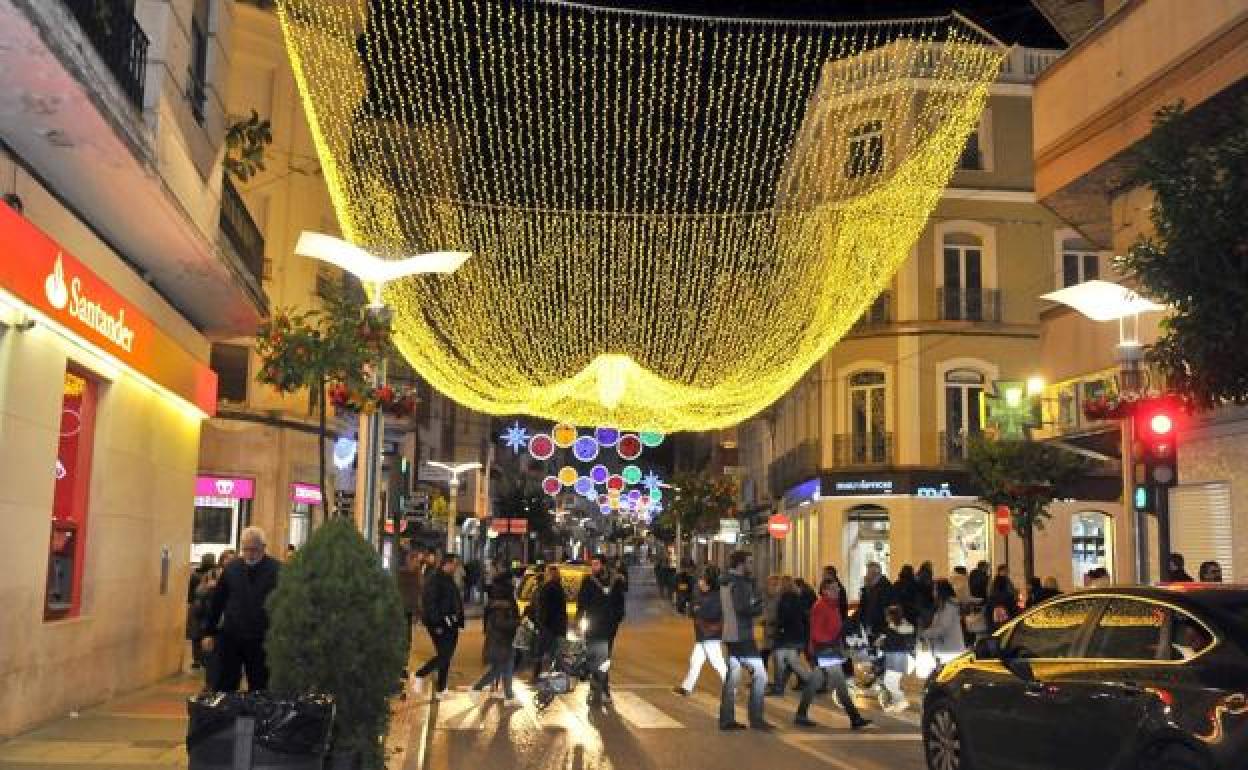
[337,626]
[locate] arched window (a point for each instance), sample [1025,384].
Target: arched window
[866,150]
[868,418]
[866,541]
[963,296]
[963,390]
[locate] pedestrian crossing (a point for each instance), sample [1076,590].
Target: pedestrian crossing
[651,707]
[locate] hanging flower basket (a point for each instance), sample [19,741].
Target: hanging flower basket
[394,402]
[1121,407]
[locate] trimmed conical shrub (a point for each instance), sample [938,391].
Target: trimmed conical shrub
[337,626]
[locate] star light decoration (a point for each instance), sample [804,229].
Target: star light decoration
[672,218]
[516,438]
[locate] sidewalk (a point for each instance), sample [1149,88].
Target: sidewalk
[145,729]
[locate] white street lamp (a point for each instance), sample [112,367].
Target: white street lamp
[452,471]
[375,272]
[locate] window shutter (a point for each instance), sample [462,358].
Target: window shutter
[1200,525]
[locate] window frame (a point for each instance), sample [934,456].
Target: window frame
[871,418]
[1079,646]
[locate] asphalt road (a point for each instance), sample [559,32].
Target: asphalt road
[647,728]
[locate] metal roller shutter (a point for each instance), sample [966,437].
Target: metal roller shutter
[1200,525]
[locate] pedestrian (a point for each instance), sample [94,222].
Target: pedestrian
[1176,572]
[502,618]
[961,585]
[619,603]
[925,579]
[906,593]
[742,607]
[877,594]
[684,588]
[829,573]
[195,609]
[550,615]
[1210,572]
[1001,605]
[442,612]
[771,604]
[410,579]
[897,644]
[792,635]
[944,635]
[827,649]
[805,593]
[597,614]
[708,626]
[238,620]
[1003,571]
[978,581]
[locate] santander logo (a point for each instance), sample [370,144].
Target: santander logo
[88,311]
[54,286]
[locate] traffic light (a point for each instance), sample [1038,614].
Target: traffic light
[1156,432]
[1141,498]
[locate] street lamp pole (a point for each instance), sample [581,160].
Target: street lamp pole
[452,471]
[374,272]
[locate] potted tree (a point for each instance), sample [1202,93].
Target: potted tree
[337,627]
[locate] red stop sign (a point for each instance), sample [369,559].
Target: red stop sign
[778,525]
[1004,523]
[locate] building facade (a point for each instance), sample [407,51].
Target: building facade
[865,454]
[117,272]
[1128,59]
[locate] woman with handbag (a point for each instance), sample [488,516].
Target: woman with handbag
[708,625]
[828,651]
[502,618]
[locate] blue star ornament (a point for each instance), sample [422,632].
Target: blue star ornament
[516,438]
[651,480]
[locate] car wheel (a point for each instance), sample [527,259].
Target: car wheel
[1172,756]
[943,744]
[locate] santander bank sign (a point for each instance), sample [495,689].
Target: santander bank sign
[81,306]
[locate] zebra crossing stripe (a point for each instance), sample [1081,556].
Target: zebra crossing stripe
[640,713]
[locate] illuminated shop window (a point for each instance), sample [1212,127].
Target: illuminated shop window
[970,539]
[66,548]
[1091,544]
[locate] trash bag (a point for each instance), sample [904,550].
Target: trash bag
[298,726]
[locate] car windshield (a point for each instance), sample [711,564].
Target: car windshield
[571,585]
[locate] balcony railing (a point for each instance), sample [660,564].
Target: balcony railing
[241,230]
[955,304]
[954,446]
[863,449]
[120,41]
[1024,64]
[879,314]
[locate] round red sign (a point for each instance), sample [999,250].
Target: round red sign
[1004,523]
[778,525]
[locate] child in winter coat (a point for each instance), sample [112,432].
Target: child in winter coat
[897,644]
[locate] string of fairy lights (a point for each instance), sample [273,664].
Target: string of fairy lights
[671,218]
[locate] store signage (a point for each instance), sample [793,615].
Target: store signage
[305,494]
[943,490]
[1003,520]
[864,487]
[221,486]
[729,526]
[509,526]
[42,275]
[917,482]
[806,492]
[778,526]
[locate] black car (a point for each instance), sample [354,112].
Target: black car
[1105,679]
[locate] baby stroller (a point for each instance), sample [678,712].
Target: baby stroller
[567,667]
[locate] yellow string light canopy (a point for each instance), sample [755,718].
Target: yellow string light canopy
[672,218]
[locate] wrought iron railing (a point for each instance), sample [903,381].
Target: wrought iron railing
[120,41]
[954,446]
[956,304]
[879,314]
[241,230]
[863,449]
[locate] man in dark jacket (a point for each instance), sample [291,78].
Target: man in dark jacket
[792,636]
[977,581]
[597,614]
[550,615]
[742,605]
[237,607]
[442,612]
[877,594]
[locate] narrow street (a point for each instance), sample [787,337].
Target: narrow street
[647,726]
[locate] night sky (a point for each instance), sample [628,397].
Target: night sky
[1013,21]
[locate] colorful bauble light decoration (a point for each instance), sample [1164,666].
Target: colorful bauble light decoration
[604,225]
[568,475]
[564,435]
[650,438]
[651,480]
[585,449]
[541,447]
[584,486]
[631,474]
[615,483]
[516,437]
[629,447]
[551,485]
[606,436]
[599,474]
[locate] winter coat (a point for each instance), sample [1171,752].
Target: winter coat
[411,583]
[442,602]
[906,595]
[977,582]
[551,613]
[238,600]
[945,632]
[502,618]
[792,623]
[742,606]
[597,603]
[874,600]
[826,629]
[771,608]
[1003,600]
[898,638]
[708,616]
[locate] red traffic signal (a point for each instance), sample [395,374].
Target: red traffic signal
[1156,432]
